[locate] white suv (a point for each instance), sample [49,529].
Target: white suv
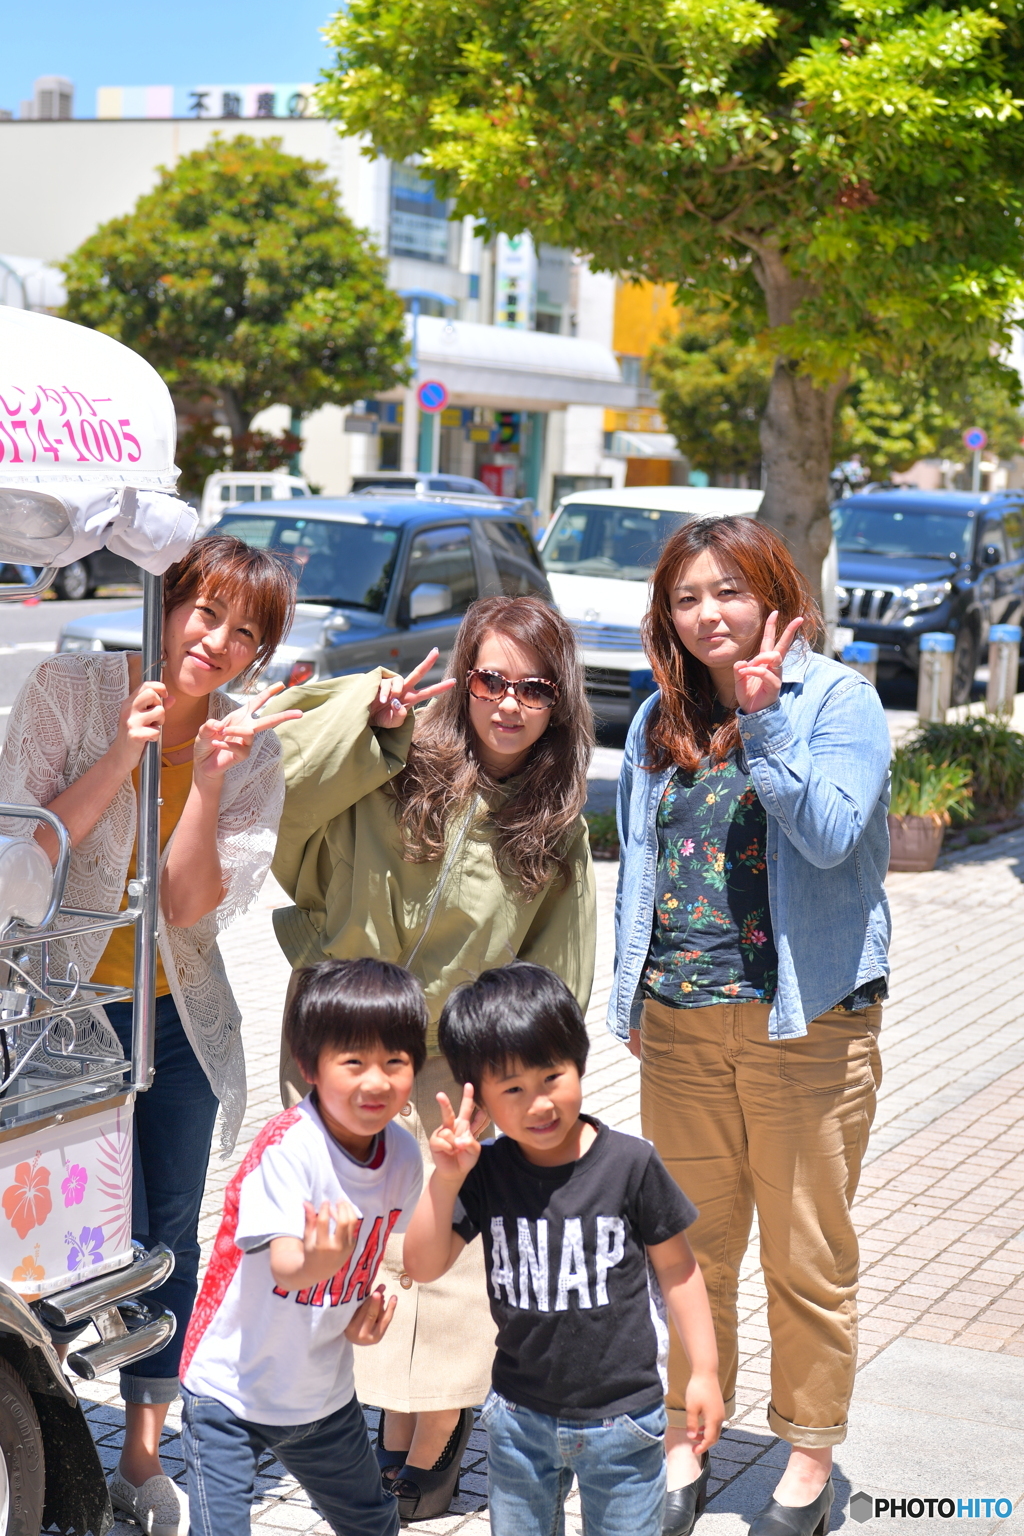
[600,550]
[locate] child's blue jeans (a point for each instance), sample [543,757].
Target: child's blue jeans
[531,1457]
[331,1458]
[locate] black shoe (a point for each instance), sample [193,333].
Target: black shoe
[684,1506]
[803,1520]
[425,1493]
[388,1461]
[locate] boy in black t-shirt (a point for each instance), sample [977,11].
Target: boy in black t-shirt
[571,1213]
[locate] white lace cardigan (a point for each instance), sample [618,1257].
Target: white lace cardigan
[65,718]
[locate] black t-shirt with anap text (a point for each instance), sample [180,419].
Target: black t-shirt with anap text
[567,1271]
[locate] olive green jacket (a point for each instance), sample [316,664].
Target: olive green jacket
[339,857]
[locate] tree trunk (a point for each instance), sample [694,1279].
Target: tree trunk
[237,421]
[796,431]
[796,439]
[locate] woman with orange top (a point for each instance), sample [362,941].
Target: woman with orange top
[77,734]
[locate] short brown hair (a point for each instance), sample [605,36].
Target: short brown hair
[681,730]
[221,565]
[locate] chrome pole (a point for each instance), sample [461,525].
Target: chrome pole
[148,860]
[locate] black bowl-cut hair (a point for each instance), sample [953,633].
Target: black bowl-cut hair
[344,1005]
[516,1014]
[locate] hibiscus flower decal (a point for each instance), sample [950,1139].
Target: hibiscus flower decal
[73,1185]
[30,1267]
[86,1248]
[27,1202]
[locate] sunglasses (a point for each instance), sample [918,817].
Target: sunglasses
[532,692]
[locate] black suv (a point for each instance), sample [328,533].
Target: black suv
[912,562]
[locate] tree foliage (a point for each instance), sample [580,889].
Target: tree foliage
[713,379]
[239,277]
[849,169]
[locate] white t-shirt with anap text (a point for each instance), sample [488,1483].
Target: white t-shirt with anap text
[281,1357]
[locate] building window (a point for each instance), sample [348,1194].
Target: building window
[546,321]
[419,220]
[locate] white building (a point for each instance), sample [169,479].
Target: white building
[521,337]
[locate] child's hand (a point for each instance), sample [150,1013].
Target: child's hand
[705,1412]
[372,1320]
[322,1250]
[453,1146]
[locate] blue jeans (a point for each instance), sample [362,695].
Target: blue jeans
[531,1457]
[331,1458]
[174,1124]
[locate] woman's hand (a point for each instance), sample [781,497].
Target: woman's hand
[633,1044]
[140,721]
[759,680]
[398,694]
[370,1322]
[453,1146]
[222,743]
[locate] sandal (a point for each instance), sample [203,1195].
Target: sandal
[424,1493]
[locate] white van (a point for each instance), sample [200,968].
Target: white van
[231,487]
[600,550]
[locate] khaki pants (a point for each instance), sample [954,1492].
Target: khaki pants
[745,1123]
[437,1353]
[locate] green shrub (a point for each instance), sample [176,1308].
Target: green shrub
[993,753]
[922,787]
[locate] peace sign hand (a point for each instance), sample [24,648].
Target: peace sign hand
[759,680]
[222,743]
[398,694]
[453,1146]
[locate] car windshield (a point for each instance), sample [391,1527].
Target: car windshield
[348,565]
[864,529]
[621,542]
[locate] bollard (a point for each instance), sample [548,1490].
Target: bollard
[934,677]
[1003,664]
[861,656]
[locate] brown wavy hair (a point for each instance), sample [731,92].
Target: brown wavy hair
[533,825]
[682,728]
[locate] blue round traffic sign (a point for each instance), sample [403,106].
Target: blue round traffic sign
[432,395]
[975,438]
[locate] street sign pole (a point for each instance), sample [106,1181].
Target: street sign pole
[413,419]
[976,471]
[975,439]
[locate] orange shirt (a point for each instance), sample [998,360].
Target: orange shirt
[116,966]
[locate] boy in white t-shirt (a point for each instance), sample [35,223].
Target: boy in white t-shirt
[267,1362]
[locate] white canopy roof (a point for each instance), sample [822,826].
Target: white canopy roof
[517,369]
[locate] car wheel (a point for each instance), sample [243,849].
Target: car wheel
[73,582]
[965,664]
[22,1458]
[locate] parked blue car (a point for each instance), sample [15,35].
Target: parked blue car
[381,579]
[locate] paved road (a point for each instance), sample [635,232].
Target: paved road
[29,632]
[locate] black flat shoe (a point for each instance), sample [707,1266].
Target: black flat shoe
[684,1506]
[424,1493]
[388,1461]
[804,1520]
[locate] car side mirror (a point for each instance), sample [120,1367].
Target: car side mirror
[428,599]
[991,555]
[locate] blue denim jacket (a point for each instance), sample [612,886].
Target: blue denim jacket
[819,760]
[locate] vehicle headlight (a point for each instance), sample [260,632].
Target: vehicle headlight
[925,594]
[79,643]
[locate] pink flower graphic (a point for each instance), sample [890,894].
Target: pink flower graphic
[73,1186]
[687,847]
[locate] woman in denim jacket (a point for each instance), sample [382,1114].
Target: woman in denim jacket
[751,939]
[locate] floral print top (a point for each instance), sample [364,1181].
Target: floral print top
[712,936]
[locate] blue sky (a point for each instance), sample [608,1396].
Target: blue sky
[186,42]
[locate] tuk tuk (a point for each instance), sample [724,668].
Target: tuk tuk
[87,437]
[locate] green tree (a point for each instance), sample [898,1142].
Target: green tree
[238,277]
[712,383]
[850,169]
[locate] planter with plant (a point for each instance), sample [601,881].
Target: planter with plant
[994,754]
[926,795]
[604,834]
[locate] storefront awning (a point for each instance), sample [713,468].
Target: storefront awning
[513,369]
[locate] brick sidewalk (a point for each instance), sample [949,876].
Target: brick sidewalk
[941,1203]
